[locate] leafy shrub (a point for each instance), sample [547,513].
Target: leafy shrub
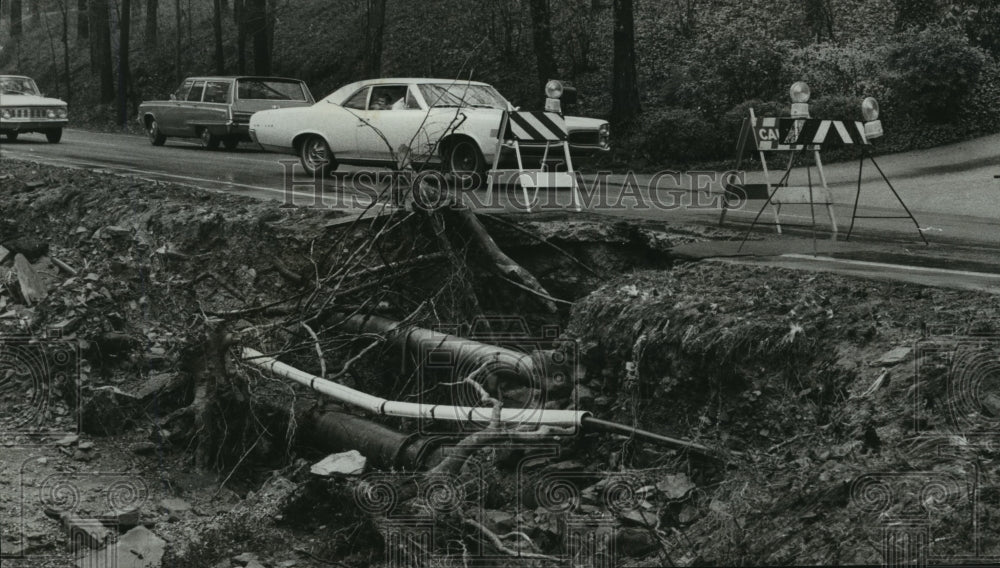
[739,67]
[676,135]
[933,71]
[836,107]
[838,69]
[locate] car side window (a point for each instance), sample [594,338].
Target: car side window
[217,92]
[182,91]
[411,100]
[387,97]
[196,91]
[358,100]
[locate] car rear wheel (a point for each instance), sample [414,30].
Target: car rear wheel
[156,138]
[230,142]
[316,156]
[54,135]
[12,136]
[208,140]
[466,163]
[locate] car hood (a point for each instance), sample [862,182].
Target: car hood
[575,123]
[29,101]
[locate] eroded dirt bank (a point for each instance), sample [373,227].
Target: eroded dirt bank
[847,409]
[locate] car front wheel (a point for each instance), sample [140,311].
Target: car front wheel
[12,136]
[467,164]
[230,142]
[316,156]
[54,135]
[208,140]
[156,138]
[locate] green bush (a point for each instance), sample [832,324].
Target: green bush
[933,72]
[851,69]
[675,136]
[739,67]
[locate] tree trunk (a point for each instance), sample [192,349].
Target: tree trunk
[239,15]
[67,74]
[541,34]
[15,18]
[374,35]
[258,23]
[82,20]
[220,56]
[178,72]
[100,48]
[152,23]
[124,69]
[624,87]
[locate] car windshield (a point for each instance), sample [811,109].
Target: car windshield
[270,90]
[462,94]
[18,86]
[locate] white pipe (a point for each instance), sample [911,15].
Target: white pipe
[383,407]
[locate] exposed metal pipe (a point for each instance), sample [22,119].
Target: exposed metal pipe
[477,415]
[383,407]
[384,447]
[537,368]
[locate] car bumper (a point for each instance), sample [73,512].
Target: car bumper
[30,124]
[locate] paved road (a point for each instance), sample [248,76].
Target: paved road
[951,189]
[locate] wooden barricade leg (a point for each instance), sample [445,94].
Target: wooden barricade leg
[496,158]
[828,196]
[520,176]
[575,187]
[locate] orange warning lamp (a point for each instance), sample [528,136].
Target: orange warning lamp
[869,110]
[800,99]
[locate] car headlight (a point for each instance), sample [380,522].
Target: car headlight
[604,135]
[51,113]
[5,113]
[553,89]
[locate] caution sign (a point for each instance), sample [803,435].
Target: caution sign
[805,133]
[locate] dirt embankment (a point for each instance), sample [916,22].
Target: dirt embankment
[859,408]
[850,409]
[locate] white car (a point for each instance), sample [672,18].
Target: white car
[443,122]
[24,109]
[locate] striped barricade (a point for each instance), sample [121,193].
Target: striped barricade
[535,127]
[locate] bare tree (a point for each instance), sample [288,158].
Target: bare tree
[374,34]
[82,20]
[177,51]
[239,16]
[819,19]
[624,84]
[67,74]
[220,56]
[152,23]
[15,18]
[258,23]
[541,33]
[124,69]
[100,48]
